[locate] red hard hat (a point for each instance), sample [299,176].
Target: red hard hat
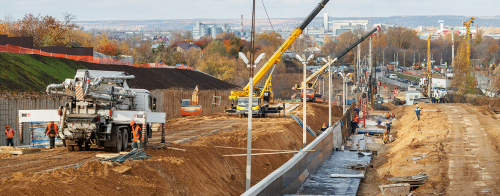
[8,126]
[132,122]
[51,122]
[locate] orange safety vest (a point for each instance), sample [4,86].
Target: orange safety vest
[136,134]
[9,133]
[48,129]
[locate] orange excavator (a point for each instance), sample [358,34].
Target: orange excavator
[191,107]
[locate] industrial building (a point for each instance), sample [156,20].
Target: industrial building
[203,29]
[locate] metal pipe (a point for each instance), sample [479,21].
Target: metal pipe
[63,121]
[55,87]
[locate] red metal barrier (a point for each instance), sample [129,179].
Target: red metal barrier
[90,59]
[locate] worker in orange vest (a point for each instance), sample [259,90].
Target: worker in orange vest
[137,135]
[354,124]
[392,115]
[51,131]
[9,134]
[387,116]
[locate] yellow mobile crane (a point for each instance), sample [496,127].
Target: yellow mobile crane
[310,89]
[469,79]
[260,108]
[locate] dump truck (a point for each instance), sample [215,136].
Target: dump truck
[100,106]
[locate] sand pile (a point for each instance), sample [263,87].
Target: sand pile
[424,139]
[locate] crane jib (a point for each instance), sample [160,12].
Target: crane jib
[277,55]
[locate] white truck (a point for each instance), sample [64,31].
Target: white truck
[437,82]
[99,110]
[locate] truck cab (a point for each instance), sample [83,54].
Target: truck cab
[242,106]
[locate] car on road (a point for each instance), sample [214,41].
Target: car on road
[377,69]
[393,76]
[406,81]
[414,83]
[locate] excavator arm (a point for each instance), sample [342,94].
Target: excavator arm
[276,57]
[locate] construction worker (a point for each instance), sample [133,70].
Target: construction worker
[137,135]
[388,125]
[357,110]
[324,127]
[387,116]
[417,112]
[392,115]
[354,124]
[9,134]
[51,131]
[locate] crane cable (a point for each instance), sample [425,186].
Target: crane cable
[267,15]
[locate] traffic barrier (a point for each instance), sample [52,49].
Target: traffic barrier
[89,59]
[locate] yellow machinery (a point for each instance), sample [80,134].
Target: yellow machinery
[239,96]
[426,86]
[191,107]
[469,78]
[310,87]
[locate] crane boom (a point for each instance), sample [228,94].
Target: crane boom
[320,70]
[275,58]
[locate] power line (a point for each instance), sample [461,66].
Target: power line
[267,15]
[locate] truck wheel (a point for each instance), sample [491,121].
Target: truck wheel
[70,148]
[78,147]
[118,140]
[87,146]
[125,140]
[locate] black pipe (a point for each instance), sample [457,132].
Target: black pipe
[313,14]
[357,42]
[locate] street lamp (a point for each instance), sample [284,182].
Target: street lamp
[329,61]
[250,102]
[344,86]
[383,56]
[304,96]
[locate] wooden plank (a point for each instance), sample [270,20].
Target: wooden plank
[180,149]
[347,175]
[255,154]
[264,149]
[13,150]
[107,155]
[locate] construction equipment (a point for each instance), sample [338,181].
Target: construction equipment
[191,107]
[469,82]
[310,87]
[426,85]
[99,110]
[261,107]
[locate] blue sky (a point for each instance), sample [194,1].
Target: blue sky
[86,10]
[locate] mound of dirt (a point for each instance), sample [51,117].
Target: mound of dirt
[148,78]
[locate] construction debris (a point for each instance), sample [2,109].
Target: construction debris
[359,166]
[395,189]
[18,150]
[135,154]
[122,169]
[412,180]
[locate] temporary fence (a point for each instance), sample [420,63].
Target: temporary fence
[89,59]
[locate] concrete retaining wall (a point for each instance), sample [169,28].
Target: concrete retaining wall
[288,178]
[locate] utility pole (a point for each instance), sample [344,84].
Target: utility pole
[304,96]
[370,64]
[250,95]
[452,49]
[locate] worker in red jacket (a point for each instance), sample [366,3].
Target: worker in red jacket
[137,135]
[9,134]
[51,131]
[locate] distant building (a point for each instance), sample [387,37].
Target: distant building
[185,46]
[202,29]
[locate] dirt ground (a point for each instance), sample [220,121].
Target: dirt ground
[458,144]
[199,170]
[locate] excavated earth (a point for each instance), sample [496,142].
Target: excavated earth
[191,164]
[455,144]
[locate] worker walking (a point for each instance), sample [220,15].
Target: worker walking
[9,134]
[137,134]
[417,112]
[51,131]
[357,110]
[388,125]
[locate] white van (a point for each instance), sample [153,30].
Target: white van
[393,76]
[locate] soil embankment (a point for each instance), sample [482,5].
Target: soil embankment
[32,73]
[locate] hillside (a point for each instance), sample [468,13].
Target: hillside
[32,73]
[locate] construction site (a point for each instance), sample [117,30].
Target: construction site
[89,126]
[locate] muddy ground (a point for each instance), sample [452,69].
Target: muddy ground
[199,170]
